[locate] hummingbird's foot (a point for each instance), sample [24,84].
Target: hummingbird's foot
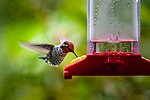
[44,58]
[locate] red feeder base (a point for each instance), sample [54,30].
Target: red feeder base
[109,64]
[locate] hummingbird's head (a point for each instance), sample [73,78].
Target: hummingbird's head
[68,46]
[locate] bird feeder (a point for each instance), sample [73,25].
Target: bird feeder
[113,41]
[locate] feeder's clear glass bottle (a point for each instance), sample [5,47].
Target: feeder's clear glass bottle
[113,25]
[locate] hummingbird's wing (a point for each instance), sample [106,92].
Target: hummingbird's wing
[41,48]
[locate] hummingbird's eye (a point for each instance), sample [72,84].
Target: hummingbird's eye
[66,45]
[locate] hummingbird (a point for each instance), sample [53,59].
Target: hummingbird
[54,54]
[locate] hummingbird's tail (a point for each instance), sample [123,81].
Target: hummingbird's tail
[44,58]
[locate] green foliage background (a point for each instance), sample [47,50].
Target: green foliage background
[24,77]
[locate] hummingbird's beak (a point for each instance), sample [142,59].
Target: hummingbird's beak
[75,54]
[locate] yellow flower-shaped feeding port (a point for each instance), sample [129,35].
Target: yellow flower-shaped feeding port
[78,59]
